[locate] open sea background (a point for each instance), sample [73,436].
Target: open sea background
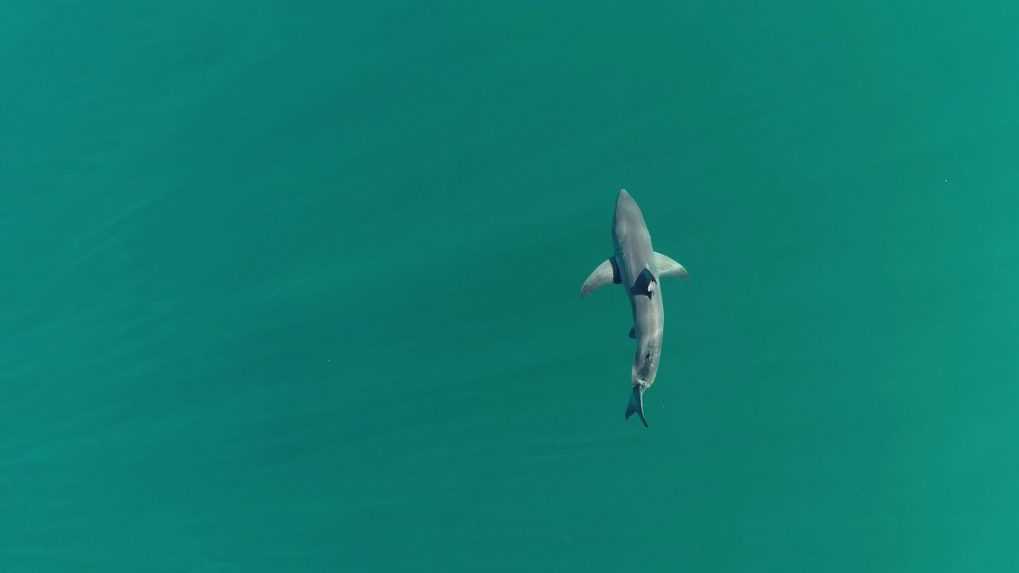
[294,287]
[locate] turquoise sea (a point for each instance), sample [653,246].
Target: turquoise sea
[294,286]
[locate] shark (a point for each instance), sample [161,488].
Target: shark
[636,266]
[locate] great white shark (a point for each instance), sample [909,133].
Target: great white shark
[637,267]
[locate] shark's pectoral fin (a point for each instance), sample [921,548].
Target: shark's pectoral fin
[603,274]
[633,332]
[667,267]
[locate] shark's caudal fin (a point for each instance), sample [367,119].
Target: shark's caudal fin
[605,273]
[636,404]
[667,267]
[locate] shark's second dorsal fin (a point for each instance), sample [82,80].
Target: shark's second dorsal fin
[645,284]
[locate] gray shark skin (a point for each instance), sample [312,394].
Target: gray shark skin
[637,267]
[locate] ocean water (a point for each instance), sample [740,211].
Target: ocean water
[295,287]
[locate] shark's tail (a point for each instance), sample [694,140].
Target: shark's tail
[636,404]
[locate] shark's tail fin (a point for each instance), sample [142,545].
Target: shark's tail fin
[636,404]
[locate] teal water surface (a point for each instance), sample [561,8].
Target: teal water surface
[294,287]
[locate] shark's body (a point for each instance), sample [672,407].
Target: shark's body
[637,267]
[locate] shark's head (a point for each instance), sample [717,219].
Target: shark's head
[627,212]
[645,362]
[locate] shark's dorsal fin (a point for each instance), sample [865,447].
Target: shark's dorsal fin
[645,284]
[667,267]
[605,273]
[633,332]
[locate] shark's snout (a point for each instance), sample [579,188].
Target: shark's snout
[624,198]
